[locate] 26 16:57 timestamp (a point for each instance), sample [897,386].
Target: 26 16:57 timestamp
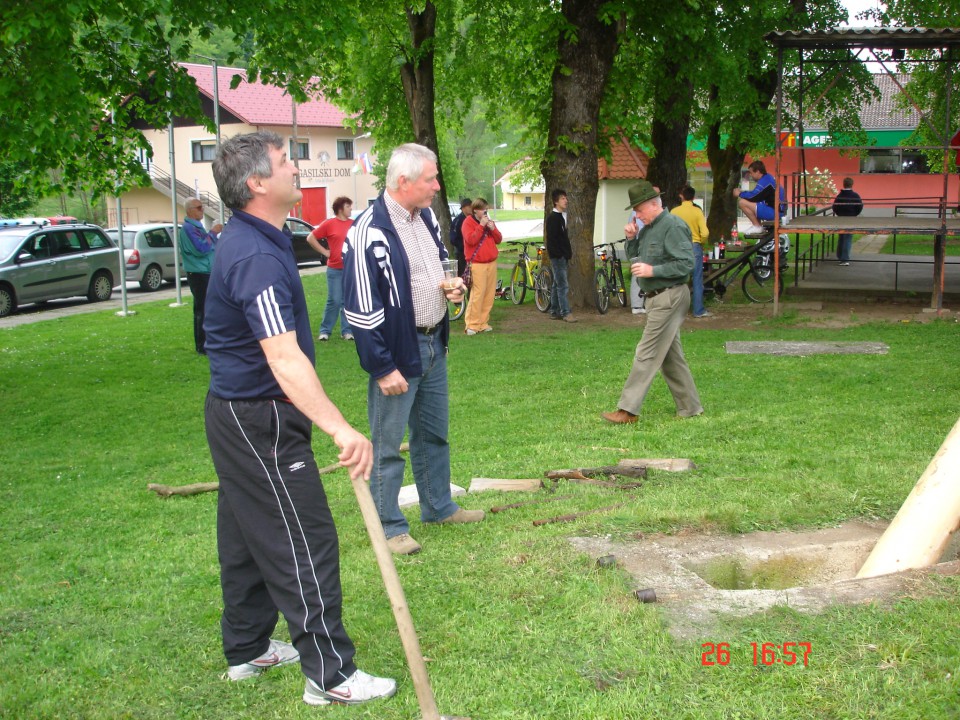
[768,653]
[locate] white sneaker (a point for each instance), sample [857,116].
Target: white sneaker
[754,230]
[277,654]
[358,688]
[471,332]
[323,337]
[640,311]
[347,336]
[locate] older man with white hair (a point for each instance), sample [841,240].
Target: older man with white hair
[663,252]
[397,307]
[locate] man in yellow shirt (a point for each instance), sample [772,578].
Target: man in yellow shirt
[692,215]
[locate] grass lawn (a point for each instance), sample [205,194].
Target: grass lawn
[110,598]
[917,245]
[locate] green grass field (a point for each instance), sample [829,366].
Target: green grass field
[110,599]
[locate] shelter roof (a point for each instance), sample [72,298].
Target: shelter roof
[262,104]
[866,37]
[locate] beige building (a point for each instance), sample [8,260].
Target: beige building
[333,160]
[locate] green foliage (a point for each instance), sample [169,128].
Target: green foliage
[15,194]
[110,602]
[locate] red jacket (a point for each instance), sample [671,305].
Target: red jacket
[472,231]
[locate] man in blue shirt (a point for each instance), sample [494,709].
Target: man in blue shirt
[759,204]
[196,252]
[276,539]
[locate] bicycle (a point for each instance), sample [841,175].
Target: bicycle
[530,274]
[608,279]
[457,310]
[755,265]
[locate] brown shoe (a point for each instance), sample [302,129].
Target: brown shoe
[569,318]
[619,417]
[403,544]
[465,516]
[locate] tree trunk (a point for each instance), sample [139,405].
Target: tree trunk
[417,76]
[668,166]
[570,163]
[725,164]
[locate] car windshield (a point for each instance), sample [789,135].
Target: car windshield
[9,242]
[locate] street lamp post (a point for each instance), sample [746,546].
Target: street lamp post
[493,185]
[356,164]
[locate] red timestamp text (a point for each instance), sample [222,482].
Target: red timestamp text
[768,653]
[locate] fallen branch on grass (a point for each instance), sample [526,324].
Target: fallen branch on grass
[511,506]
[575,516]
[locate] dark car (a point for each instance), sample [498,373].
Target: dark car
[301,248]
[56,261]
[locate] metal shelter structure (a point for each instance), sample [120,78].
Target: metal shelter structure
[880,45]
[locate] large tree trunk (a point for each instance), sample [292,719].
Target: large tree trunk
[668,166]
[578,82]
[725,163]
[417,76]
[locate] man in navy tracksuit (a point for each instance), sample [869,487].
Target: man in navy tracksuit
[848,203]
[397,307]
[275,535]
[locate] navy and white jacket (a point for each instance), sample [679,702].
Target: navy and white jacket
[377,298]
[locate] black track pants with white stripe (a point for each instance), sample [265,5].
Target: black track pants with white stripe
[276,538]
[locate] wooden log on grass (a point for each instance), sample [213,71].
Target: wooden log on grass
[197,488]
[668,464]
[194,489]
[918,535]
[504,485]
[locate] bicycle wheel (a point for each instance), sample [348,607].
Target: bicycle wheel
[457,310]
[518,283]
[542,284]
[602,296]
[620,290]
[758,285]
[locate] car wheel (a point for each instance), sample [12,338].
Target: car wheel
[101,287]
[8,303]
[152,279]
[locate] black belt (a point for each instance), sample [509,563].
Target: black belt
[654,293]
[429,330]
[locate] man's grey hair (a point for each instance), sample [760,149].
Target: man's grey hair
[190,202]
[240,158]
[407,161]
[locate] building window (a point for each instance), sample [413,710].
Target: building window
[344,149]
[203,150]
[527,200]
[893,160]
[299,149]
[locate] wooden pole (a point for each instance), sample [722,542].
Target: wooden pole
[919,533]
[398,601]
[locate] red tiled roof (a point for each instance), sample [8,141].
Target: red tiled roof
[628,163]
[259,104]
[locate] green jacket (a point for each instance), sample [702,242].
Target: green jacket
[667,245]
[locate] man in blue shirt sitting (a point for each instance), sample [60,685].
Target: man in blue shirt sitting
[758,204]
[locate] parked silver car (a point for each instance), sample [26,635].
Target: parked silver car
[57,261]
[149,255]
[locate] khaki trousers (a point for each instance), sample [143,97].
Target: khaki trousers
[660,349]
[481,296]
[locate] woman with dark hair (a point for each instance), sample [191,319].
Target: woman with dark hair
[334,231]
[480,240]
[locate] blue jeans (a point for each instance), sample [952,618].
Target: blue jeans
[334,304]
[844,243]
[425,408]
[559,302]
[696,289]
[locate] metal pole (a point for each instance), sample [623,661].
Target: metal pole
[776,186]
[124,310]
[295,151]
[173,214]
[216,118]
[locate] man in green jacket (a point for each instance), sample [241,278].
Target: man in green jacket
[196,251]
[662,260]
